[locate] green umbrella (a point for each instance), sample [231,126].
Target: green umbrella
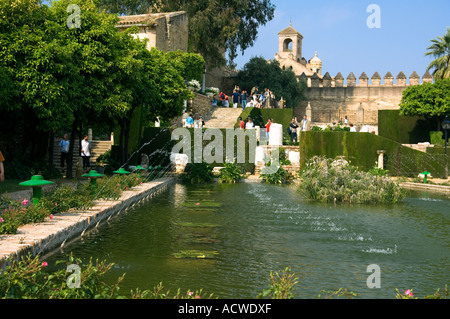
[36,182]
[93,175]
[122,171]
[425,176]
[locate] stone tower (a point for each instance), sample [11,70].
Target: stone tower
[290,44]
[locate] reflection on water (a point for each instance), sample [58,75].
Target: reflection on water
[258,228]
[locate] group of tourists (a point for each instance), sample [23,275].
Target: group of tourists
[255,98]
[294,127]
[190,122]
[246,125]
[85,151]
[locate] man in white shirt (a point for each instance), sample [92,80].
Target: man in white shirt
[85,152]
[305,124]
[249,124]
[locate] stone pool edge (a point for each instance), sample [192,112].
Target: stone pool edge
[41,238]
[428,187]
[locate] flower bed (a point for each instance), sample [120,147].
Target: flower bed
[16,213]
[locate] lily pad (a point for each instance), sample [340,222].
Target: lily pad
[197,238]
[201,204]
[189,224]
[195,254]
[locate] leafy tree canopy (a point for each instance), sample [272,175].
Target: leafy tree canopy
[282,82]
[428,99]
[215,26]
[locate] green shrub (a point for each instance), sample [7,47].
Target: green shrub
[281,176]
[280,286]
[327,180]
[197,173]
[436,138]
[231,173]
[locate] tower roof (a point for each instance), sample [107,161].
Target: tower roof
[290,31]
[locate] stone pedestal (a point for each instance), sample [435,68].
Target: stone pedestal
[381,158]
[259,155]
[309,112]
[180,161]
[294,157]
[276,134]
[360,116]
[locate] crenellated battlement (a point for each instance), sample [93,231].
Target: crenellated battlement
[400,80]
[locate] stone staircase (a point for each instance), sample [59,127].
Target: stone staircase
[222,117]
[97,148]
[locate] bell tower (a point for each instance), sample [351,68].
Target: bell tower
[290,44]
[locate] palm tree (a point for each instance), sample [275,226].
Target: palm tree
[440,49]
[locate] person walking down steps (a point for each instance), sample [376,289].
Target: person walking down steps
[64,144]
[86,152]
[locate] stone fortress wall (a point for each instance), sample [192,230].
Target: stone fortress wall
[329,100]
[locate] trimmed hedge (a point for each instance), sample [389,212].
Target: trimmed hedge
[158,145]
[404,129]
[361,150]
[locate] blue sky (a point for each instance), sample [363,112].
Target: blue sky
[338,31]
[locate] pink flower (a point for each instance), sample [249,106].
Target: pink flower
[56,204]
[1,220]
[190,293]
[25,202]
[51,216]
[44,264]
[198,204]
[409,293]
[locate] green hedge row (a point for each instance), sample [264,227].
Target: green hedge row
[404,129]
[157,143]
[361,150]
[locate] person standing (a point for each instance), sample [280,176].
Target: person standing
[190,121]
[249,124]
[269,122]
[85,152]
[235,99]
[293,126]
[244,99]
[64,144]
[2,168]
[241,123]
[305,124]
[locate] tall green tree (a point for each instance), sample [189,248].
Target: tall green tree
[431,100]
[440,50]
[215,26]
[59,77]
[282,82]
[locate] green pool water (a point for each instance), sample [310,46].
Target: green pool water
[252,229]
